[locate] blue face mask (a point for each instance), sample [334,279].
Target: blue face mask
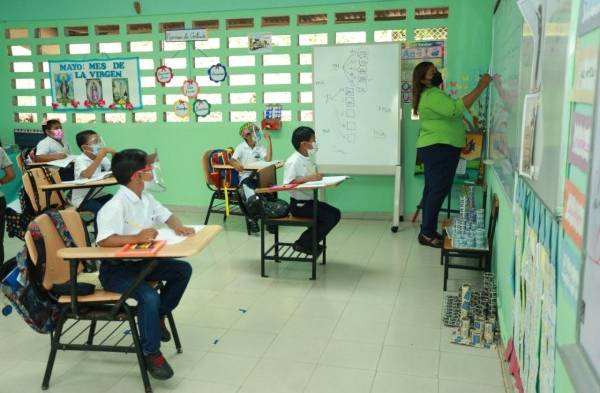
[96,148]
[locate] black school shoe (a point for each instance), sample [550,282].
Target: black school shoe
[158,367]
[253,225]
[306,250]
[165,335]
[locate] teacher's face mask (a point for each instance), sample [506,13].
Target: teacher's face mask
[437,79]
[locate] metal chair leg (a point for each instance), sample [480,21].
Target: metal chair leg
[447,259]
[91,333]
[174,332]
[262,249]
[210,205]
[324,251]
[276,238]
[138,349]
[54,341]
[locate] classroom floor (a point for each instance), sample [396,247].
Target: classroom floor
[370,323]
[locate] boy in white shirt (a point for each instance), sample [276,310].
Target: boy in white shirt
[300,168]
[130,217]
[247,152]
[88,164]
[53,147]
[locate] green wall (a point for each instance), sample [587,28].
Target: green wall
[181,144]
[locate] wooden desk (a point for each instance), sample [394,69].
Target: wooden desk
[255,166]
[92,185]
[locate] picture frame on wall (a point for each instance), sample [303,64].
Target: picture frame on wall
[531,119]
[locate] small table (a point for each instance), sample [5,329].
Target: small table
[282,251]
[72,185]
[255,166]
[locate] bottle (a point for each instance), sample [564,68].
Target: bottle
[6,309]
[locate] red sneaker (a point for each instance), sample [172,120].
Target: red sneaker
[158,367]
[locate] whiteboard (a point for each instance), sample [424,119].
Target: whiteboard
[356,103]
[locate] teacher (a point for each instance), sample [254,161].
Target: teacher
[441,137]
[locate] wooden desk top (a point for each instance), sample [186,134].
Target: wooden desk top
[299,187]
[250,167]
[190,246]
[109,181]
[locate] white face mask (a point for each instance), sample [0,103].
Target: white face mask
[313,151]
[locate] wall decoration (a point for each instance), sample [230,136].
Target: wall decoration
[581,134]
[201,108]
[217,73]
[533,13]
[412,54]
[181,108]
[589,16]
[186,35]
[271,117]
[586,68]
[97,83]
[593,208]
[163,74]
[190,88]
[260,42]
[531,118]
[570,267]
[574,213]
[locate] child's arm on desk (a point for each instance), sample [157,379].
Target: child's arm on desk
[144,236]
[314,177]
[175,224]
[236,164]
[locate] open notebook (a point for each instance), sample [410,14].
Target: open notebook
[326,181]
[99,176]
[168,235]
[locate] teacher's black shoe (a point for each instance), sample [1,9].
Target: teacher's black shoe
[430,241]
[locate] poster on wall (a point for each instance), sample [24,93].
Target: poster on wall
[88,85]
[260,42]
[574,213]
[586,68]
[570,268]
[533,13]
[589,16]
[412,54]
[581,133]
[531,118]
[593,208]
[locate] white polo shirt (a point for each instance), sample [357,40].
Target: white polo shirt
[126,214]
[82,162]
[248,155]
[51,146]
[5,162]
[298,166]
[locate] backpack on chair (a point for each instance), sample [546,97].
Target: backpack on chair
[221,177]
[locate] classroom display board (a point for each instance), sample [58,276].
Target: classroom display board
[356,102]
[98,84]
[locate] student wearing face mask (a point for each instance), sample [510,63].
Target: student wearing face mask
[53,147]
[441,137]
[88,164]
[248,152]
[300,168]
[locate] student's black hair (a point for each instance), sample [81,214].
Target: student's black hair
[49,124]
[301,134]
[83,137]
[126,162]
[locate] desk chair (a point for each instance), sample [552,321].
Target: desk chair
[33,179]
[483,256]
[284,251]
[217,200]
[104,307]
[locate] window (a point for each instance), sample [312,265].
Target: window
[148,99]
[275,60]
[389,35]
[312,39]
[211,43]
[213,117]
[205,62]
[171,98]
[48,100]
[62,117]
[242,61]
[177,81]
[431,13]
[76,31]
[284,78]
[46,83]
[277,97]
[306,97]
[237,42]
[305,58]
[171,117]
[147,64]
[49,49]
[176,63]
[212,24]
[242,80]
[26,101]
[431,33]
[351,37]
[20,50]
[22,66]
[171,26]
[240,23]
[141,28]
[110,47]
[213,99]
[281,40]
[204,80]
[315,19]
[305,78]
[17,32]
[148,81]
[79,49]
[24,83]
[394,14]
[85,117]
[350,17]
[286,115]
[145,117]
[239,116]
[26,117]
[306,115]
[242,98]
[107,29]
[140,46]
[46,32]
[169,46]
[115,118]
[275,21]
[45,66]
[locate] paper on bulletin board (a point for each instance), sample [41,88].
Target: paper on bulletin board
[412,54]
[574,213]
[533,13]
[570,270]
[589,16]
[581,135]
[593,208]
[531,119]
[586,68]
[547,352]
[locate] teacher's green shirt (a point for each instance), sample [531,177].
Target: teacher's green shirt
[441,119]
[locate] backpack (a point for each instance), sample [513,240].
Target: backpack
[222,177]
[264,204]
[22,280]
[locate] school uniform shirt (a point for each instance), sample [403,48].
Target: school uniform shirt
[81,163]
[51,146]
[127,214]
[5,162]
[298,166]
[248,155]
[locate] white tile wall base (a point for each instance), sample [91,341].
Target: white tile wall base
[370,323]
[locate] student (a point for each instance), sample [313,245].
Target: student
[53,147]
[248,152]
[130,217]
[88,164]
[300,168]
[9,175]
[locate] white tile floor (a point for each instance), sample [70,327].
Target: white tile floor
[370,323]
